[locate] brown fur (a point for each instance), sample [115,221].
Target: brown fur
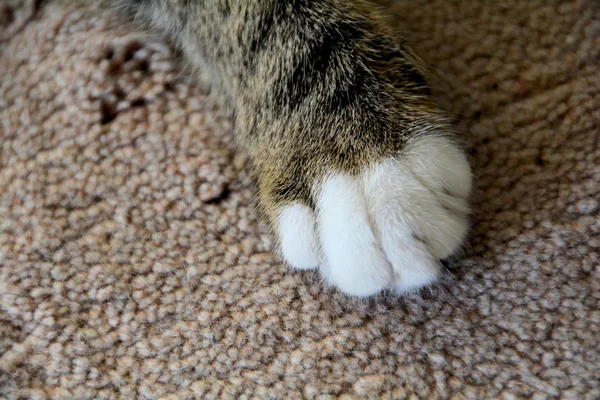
[314,86]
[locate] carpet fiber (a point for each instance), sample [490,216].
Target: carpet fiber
[132,264]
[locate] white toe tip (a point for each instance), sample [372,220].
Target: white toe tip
[355,263]
[298,236]
[416,274]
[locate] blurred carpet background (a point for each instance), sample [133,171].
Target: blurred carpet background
[132,264]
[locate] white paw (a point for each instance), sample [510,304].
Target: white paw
[388,227]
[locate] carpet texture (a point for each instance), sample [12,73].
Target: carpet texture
[132,264]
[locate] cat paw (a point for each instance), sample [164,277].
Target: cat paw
[387,227]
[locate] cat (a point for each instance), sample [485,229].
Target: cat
[357,169]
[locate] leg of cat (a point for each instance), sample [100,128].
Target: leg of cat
[357,170]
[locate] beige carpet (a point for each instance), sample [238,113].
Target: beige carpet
[132,264]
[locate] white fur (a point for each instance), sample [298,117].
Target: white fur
[387,227]
[298,237]
[354,261]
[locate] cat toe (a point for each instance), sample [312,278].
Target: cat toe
[298,239]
